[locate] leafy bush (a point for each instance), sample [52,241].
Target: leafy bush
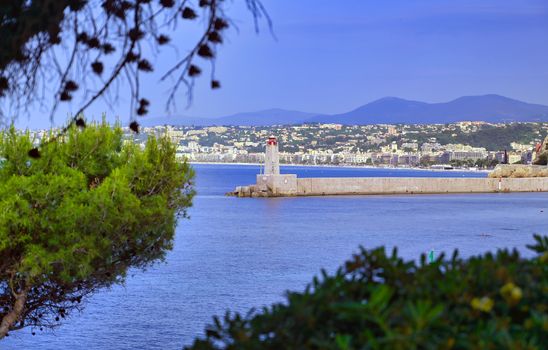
[380,301]
[75,219]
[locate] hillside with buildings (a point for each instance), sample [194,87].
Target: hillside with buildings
[460,144]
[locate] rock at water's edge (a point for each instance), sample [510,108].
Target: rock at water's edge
[519,170]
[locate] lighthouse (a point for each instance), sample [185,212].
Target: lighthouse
[272,157]
[270,183]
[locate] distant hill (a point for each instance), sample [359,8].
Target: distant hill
[261,118]
[393,110]
[388,110]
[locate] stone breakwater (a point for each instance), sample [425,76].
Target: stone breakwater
[288,185]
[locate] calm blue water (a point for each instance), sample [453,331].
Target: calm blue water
[242,253]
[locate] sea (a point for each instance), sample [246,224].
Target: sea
[241,254]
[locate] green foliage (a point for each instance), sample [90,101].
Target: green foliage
[77,218]
[380,301]
[493,138]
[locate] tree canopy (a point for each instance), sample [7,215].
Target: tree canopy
[77,218]
[90,46]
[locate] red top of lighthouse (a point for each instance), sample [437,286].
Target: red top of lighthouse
[272,141]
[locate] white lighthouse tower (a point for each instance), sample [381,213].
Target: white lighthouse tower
[272,157]
[271,182]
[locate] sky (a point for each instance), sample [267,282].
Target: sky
[329,56]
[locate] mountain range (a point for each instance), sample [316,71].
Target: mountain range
[388,110]
[261,118]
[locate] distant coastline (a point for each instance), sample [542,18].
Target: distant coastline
[347,166]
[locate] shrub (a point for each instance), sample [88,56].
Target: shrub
[380,301]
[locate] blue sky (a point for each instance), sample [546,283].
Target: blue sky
[332,56]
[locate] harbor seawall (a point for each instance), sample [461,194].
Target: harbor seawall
[289,185]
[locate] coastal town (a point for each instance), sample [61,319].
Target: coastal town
[463,144]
